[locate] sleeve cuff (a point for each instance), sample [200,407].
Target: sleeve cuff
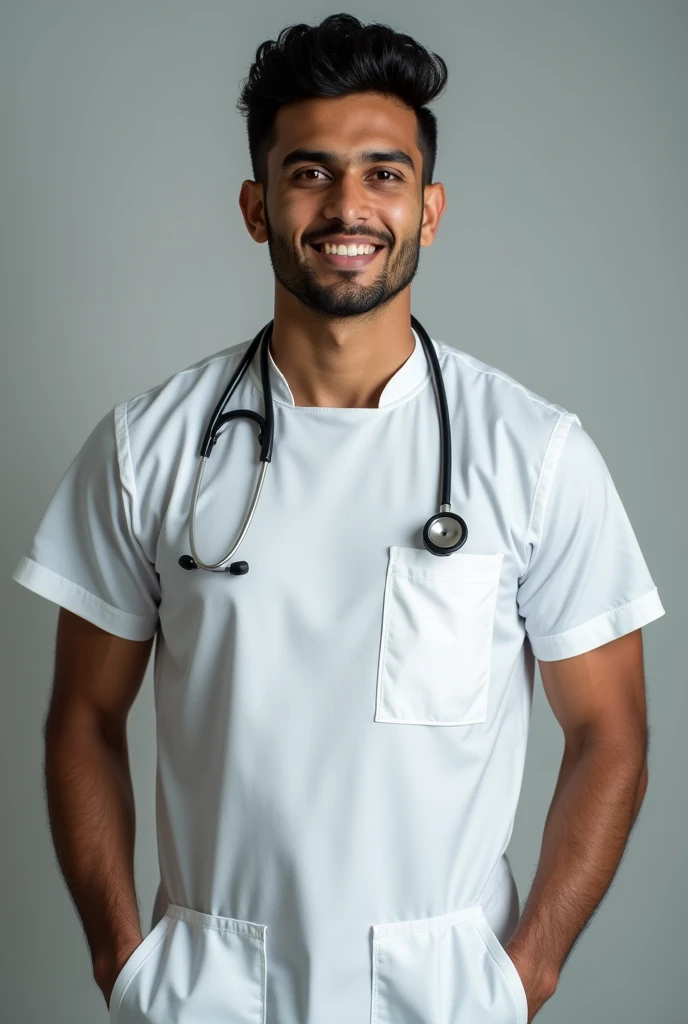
[600,630]
[70,595]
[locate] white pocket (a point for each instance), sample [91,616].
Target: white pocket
[436,644]
[450,969]
[192,967]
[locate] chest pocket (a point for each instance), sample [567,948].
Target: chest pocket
[436,644]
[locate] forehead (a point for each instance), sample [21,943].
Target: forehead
[347,123]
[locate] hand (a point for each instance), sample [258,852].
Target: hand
[536,983]
[106,970]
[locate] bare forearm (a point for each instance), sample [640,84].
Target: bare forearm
[596,801]
[92,819]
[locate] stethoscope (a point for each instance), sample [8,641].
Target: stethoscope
[444,533]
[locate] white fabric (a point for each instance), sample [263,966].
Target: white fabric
[342,731]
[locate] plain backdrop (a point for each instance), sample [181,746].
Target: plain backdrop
[561,259]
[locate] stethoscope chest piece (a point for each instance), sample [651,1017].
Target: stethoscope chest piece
[445,533]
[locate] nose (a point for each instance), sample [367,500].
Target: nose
[347,200]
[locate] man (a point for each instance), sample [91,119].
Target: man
[341,730]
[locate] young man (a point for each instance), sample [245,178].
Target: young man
[342,729]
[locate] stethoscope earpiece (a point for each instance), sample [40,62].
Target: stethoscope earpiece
[236,568]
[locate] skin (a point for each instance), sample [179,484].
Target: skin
[338,338]
[599,700]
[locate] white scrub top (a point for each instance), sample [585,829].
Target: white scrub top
[341,732]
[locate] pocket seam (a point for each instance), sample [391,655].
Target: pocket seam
[376,975]
[469,567]
[434,923]
[521,1001]
[415,572]
[114,1009]
[385,631]
[216,922]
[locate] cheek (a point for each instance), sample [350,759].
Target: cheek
[401,216]
[299,206]
[286,214]
[298,218]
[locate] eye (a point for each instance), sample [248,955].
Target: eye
[383,170]
[309,170]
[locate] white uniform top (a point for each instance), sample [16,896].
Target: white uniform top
[342,731]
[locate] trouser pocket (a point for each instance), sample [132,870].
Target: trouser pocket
[194,967]
[450,969]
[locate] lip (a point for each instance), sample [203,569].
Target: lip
[348,262]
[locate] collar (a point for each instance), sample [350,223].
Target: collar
[409,375]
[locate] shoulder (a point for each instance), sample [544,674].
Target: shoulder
[158,431]
[492,381]
[490,396]
[190,385]
[541,433]
[510,427]
[171,409]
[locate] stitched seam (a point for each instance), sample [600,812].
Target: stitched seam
[591,622]
[42,571]
[148,954]
[263,1000]
[376,978]
[385,630]
[125,465]
[494,373]
[548,446]
[196,368]
[125,420]
[222,929]
[506,977]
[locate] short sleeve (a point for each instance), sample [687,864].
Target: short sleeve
[86,554]
[586,582]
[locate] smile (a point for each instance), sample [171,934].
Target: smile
[347,256]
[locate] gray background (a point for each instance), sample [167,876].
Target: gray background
[561,259]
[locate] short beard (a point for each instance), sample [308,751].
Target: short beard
[344,299]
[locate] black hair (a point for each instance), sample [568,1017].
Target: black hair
[337,57]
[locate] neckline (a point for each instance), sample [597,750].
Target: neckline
[399,387]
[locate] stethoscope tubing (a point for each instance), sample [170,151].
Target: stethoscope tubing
[266,437]
[445,430]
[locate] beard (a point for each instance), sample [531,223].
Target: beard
[345,297]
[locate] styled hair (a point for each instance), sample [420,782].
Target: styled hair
[335,58]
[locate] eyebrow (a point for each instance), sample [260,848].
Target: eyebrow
[321,156]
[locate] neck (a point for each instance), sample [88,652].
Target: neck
[343,363]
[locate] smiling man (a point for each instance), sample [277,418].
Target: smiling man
[341,731]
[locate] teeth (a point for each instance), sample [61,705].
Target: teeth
[347,250]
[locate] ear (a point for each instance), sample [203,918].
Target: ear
[251,203]
[434,202]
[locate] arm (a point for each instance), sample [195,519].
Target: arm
[599,700]
[88,784]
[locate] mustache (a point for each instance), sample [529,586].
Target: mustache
[348,234]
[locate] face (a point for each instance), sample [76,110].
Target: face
[344,172]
